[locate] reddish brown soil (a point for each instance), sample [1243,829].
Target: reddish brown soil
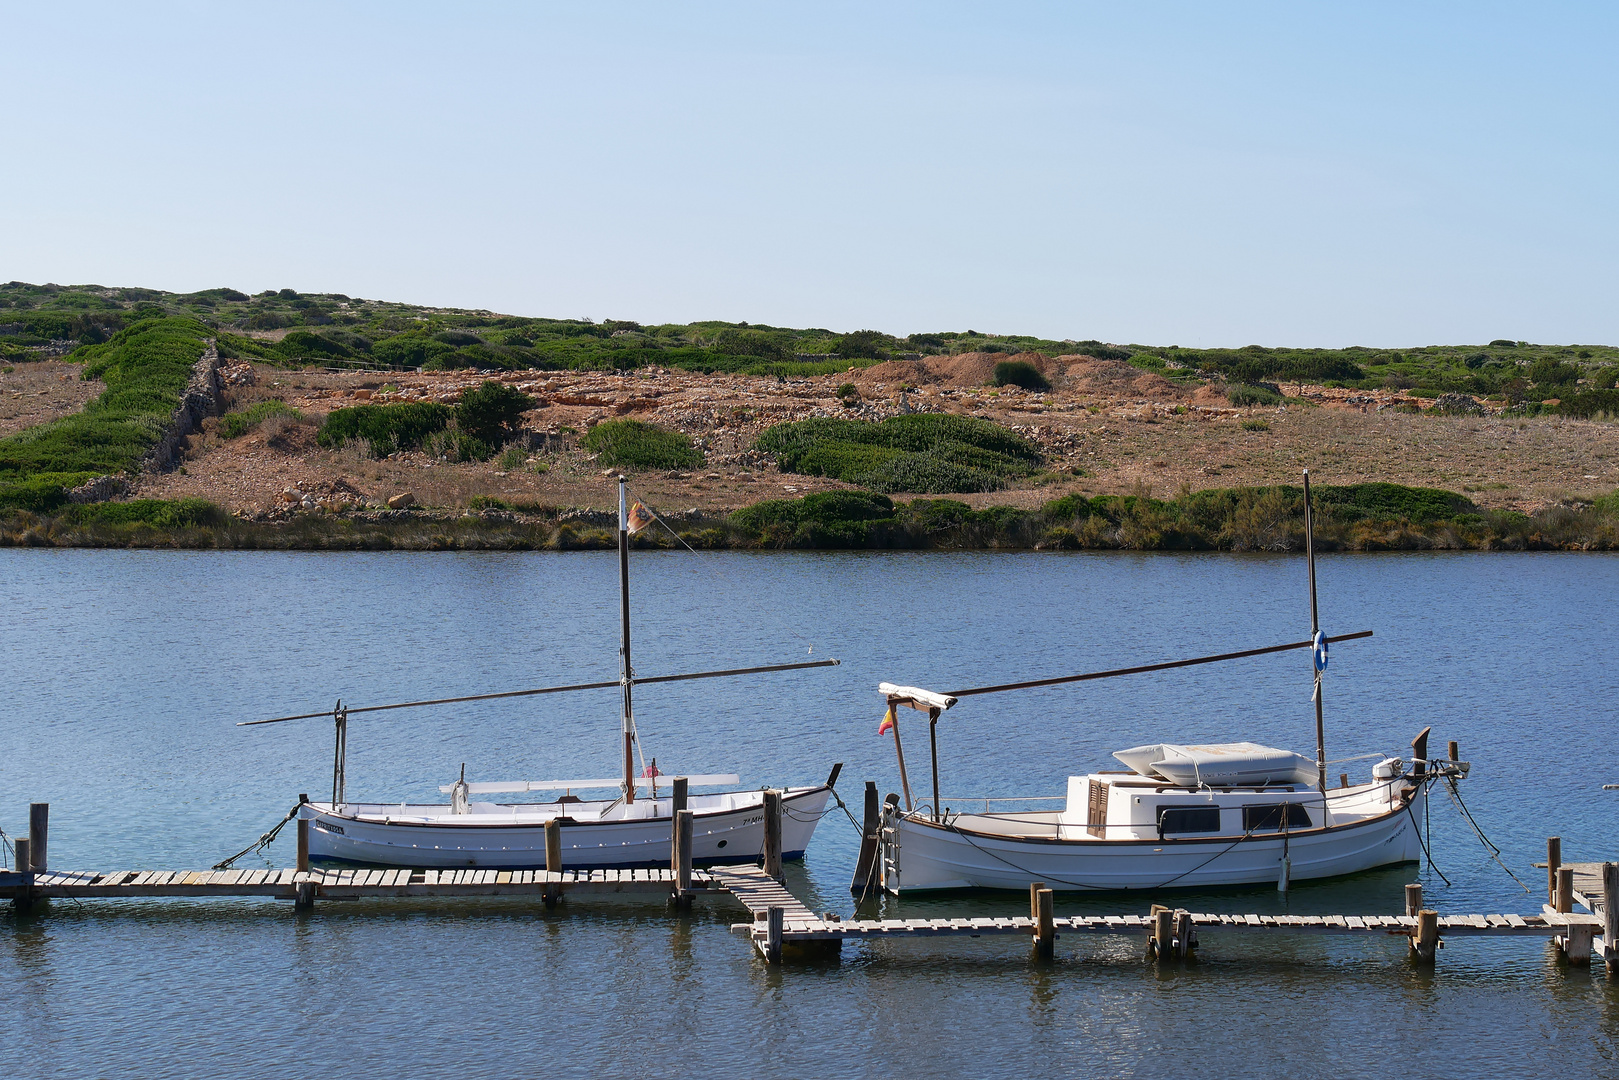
[1125,430]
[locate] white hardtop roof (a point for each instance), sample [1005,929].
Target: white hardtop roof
[915,697]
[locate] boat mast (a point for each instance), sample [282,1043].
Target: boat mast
[625,673]
[1315,628]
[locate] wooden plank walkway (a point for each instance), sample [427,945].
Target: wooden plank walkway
[1587,883]
[346,884]
[813,928]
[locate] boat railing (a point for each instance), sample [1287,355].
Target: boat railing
[989,800]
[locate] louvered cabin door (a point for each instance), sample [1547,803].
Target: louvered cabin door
[1097,821]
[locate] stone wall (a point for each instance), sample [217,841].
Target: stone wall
[202,398]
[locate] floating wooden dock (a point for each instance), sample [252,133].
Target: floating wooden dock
[345,884]
[784,927]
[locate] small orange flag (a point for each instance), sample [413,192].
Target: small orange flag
[639,518]
[888,721]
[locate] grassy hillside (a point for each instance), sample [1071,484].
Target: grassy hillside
[340,330]
[145,366]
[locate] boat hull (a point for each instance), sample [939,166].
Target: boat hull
[920,855]
[729,835]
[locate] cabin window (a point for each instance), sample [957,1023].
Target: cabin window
[1188,819]
[1268,817]
[1096,822]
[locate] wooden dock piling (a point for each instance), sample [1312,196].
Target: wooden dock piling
[553,859]
[1163,931]
[1425,942]
[303,845]
[772,852]
[39,828]
[1413,898]
[1554,859]
[1564,897]
[682,858]
[24,899]
[1042,913]
[1610,918]
[775,917]
[865,866]
[1185,937]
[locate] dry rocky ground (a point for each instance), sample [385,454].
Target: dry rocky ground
[36,393]
[1106,428]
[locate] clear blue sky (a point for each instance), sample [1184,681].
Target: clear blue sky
[1193,174]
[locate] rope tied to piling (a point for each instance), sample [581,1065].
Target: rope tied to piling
[262,842]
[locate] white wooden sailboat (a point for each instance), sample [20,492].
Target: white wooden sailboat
[629,827]
[1178,817]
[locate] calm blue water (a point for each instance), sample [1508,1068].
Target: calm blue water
[125,672]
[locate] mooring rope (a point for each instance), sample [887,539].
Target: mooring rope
[859,828]
[1489,845]
[10,851]
[1425,816]
[263,842]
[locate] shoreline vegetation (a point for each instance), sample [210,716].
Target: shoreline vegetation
[1357,518]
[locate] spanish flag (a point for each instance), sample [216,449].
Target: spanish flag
[888,721]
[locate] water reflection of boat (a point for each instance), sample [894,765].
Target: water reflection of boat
[1178,817]
[622,831]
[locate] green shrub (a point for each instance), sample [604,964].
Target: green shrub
[847,390]
[385,428]
[233,425]
[303,345]
[1550,373]
[1605,378]
[1354,502]
[452,444]
[1255,425]
[922,452]
[1019,373]
[158,513]
[1254,394]
[633,444]
[868,344]
[491,412]
[514,457]
[40,493]
[1591,404]
[828,519]
[409,350]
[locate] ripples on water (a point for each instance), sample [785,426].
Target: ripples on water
[127,670]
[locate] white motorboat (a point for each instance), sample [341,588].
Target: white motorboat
[619,831]
[1143,830]
[1178,817]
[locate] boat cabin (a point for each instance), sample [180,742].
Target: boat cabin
[1124,805]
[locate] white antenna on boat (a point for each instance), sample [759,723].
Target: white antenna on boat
[1318,650]
[625,674]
